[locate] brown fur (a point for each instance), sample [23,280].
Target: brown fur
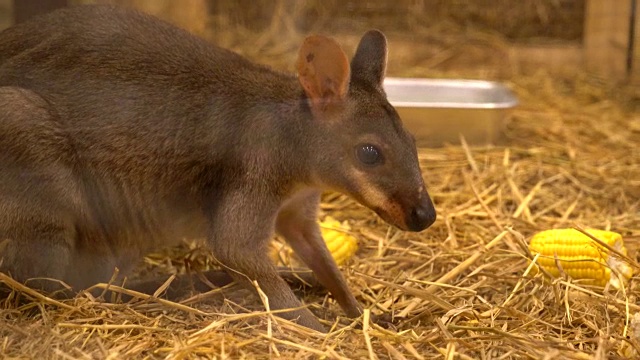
[121,134]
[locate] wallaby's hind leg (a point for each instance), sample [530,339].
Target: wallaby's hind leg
[297,223]
[239,236]
[36,252]
[184,283]
[37,229]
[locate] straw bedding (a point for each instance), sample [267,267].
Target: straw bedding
[460,290]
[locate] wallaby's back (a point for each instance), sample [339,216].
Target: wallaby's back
[78,40]
[125,83]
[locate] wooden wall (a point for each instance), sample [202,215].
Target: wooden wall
[610,49]
[635,67]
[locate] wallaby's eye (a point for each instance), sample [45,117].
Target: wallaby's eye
[368,154]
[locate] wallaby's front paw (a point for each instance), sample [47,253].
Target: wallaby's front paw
[384,320]
[305,318]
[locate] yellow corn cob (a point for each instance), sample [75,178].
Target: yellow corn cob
[581,257]
[340,243]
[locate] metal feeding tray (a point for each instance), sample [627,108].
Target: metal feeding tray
[438,111]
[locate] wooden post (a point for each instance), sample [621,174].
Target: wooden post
[25,9]
[635,51]
[606,38]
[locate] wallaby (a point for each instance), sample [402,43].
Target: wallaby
[121,134]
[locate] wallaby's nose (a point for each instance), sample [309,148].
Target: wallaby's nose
[422,215]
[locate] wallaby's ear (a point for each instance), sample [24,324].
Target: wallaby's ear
[370,61]
[323,71]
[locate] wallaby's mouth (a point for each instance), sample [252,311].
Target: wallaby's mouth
[406,210]
[416,217]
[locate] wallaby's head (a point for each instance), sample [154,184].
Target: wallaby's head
[360,145]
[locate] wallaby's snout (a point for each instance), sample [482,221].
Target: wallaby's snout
[422,215]
[404,209]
